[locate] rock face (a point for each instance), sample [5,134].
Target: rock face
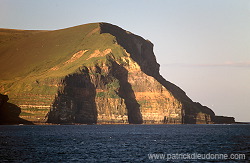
[76,101]
[110,77]
[9,113]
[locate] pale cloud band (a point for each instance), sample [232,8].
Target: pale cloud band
[224,64]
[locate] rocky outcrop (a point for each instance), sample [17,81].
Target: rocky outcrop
[108,75]
[223,120]
[9,113]
[125,90]
[128,89]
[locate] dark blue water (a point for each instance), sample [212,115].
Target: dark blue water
[120,143]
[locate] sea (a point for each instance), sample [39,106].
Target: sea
[125,143]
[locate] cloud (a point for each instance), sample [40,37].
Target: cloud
[224,64]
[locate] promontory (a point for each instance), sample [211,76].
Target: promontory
[95,73]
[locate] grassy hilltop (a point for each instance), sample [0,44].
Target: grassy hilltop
[34,52]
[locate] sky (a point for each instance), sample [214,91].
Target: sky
[203,46]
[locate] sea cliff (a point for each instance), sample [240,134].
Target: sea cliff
[93,73]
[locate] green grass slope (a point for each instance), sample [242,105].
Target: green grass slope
[45,49]
[9,35]
[36,53]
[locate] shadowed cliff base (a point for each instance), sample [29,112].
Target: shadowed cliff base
[9,113]
[75,102]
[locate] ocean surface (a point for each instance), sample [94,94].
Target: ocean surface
[122,143]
